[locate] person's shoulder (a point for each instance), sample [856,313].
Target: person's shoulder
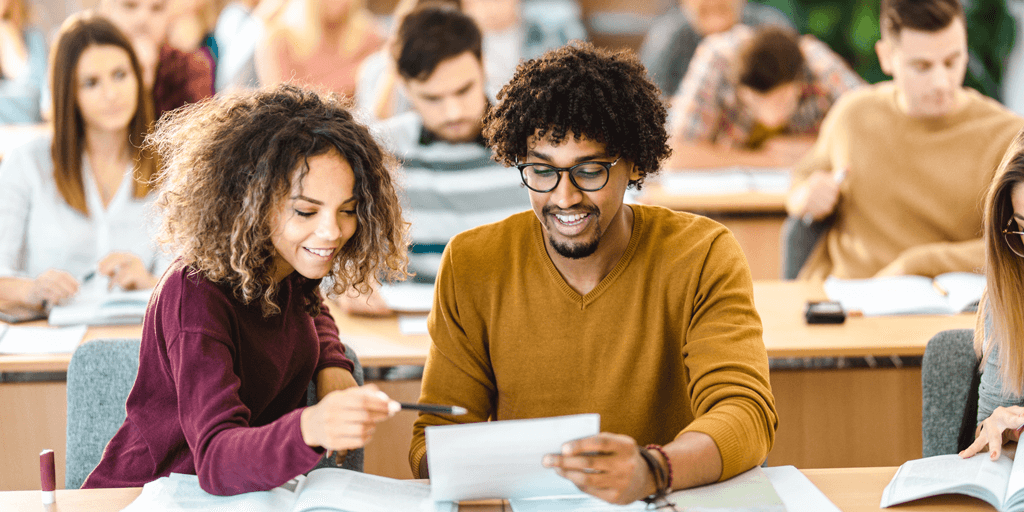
[492,240]
[670,226]
[400,133]
[869,99]
[184,288]
[981,106]
[32,156]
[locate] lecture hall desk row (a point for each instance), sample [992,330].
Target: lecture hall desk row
[855,417]
[850,489]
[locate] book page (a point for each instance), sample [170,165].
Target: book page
[180,493]
[1014,499]
[964,289]
[748,491]
[900,295]
[408,297]
[577,503]
[949,474]
[95,305]
[352,491]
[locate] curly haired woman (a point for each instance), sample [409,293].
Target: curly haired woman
[264,196]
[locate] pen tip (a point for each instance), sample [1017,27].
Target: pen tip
[456,410]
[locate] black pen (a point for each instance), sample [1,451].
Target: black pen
[452,410]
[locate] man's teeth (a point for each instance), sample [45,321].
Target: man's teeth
[323,253]
[570,219]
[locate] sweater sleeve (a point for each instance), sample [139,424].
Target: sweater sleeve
[230,456]
[727,362]
[940,257]
[458,370]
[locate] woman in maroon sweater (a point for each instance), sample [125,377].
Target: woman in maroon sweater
[264,196]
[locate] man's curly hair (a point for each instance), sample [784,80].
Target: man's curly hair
[230,161]
[593,93]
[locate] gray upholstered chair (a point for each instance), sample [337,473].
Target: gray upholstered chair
[797,242]
[100,375]
[949,392]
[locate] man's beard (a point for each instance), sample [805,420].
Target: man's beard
[575,251]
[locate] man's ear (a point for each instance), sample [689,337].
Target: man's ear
[884,50]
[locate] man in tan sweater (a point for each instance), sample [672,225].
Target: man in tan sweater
[588,305]
[900,168]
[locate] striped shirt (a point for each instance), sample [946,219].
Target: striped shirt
[449,188]
[707,108]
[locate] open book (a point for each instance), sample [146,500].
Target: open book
[324,489]
[1000,483]
[95,305]
[950,293]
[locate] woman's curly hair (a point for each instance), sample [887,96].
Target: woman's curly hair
[595,94]
[229,161]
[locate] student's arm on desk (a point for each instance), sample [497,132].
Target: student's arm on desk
[50,287]
[937,258]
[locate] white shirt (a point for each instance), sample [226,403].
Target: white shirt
[40,231]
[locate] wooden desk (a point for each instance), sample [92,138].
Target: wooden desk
[754,218]
[851,489]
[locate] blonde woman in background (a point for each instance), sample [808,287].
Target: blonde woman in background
[320,43]
[22,65]
[1000,332]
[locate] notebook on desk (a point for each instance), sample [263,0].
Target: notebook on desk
[950,293]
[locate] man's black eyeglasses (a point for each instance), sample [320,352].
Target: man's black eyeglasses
[586,176]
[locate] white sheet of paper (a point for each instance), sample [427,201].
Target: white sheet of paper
[797,492]
[95,305]
[408,297]
[40,340]
[502,459]
[352,491]
[412,325]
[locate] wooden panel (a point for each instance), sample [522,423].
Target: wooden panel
[847,418]
[33,417]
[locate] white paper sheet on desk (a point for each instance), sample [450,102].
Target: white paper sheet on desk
[96,305]
[726,181]
[412,325]
[408,297]
[798,493]
[502,459]
[16,339]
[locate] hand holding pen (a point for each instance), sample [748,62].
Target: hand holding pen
[821,194]
[51,287]
[126,271]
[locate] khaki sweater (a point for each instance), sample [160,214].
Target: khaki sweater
[668,342]
[914,187]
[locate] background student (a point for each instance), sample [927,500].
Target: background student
[263,196]
[22,65]
[451,184]
[673,38]
[757,91]
[917,154]
[1000,329]
[76,200]
[320,43]
[175,77]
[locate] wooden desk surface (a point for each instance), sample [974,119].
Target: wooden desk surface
[780,304]
[786,334]
[850,489]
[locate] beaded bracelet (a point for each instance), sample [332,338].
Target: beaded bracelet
[658,472]
[668,464]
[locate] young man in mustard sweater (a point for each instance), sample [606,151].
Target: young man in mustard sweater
[900,168]
[589,305]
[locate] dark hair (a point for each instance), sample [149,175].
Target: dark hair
[924,15]
[230,160]
[78,33]
[769,59]
[593,93]
[432,34]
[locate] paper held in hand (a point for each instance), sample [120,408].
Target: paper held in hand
[950,293]
[1000,482]
[502,459]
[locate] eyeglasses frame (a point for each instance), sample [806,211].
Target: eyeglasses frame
[1007,233]
[559,170]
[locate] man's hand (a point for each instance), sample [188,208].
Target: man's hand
[608,466]
[815,198]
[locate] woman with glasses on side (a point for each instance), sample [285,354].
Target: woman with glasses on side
[1000,332]
[75,202]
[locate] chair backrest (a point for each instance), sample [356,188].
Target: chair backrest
[100,376]
[949,392]
[798,241]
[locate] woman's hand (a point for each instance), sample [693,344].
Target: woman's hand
[126,271]
[346,419]
[608,466]
[51,287]
[1002,426]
